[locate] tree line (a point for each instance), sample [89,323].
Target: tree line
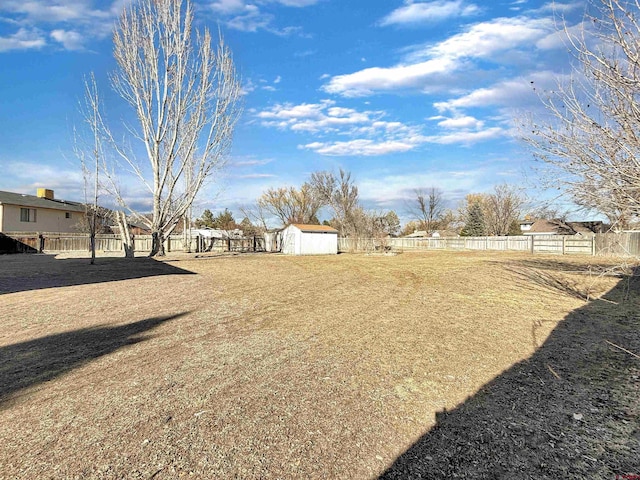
[495,213]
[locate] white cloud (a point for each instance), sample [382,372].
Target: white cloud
[370,80]
[367,132]
[509,93]
[228,7]
[430,67]
[315,117]
[23,39]
[70,40]
[420,12]
[297,3]
[461,122]
[360,147]
[249,17]
[485,39]
[467,137]
[68,22]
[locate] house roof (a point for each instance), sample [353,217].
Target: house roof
[551,226]
[558,227]
[315,228]
[22,200]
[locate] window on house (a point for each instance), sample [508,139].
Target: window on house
[27,214]
[67,215]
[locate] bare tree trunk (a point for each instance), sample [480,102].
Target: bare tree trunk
[125,235]
[157,244]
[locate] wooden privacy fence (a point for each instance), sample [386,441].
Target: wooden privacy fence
[615,244]
[69,242]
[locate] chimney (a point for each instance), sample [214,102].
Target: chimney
[45,193]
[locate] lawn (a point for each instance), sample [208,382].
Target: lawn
[438,364]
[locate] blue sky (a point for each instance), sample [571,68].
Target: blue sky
[405,94]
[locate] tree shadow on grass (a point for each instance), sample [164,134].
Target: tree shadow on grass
[29,363]
[571,410]
[20,273]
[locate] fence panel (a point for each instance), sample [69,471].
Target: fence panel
[624,244]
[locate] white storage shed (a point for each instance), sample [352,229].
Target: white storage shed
[300,239]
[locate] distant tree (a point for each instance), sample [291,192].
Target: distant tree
[547,212]
[103,218]
[502,207]
[256,215]
[427,207]
[224,221]
[499,208]
[291,205]
[410,227]
[339,193]
[206,220]
[474,225]
[390,223]
[448,220]
[514,229]
[248,228]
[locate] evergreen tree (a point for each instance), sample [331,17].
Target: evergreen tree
[474,223]
[514,228]
[206,220]
[224,221]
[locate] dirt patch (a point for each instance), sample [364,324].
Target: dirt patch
[268,366]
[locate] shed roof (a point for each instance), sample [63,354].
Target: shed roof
[23,200]
[314,228]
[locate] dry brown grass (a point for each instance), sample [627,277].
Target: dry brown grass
[258,366]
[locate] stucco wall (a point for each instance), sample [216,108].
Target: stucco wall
[47,220]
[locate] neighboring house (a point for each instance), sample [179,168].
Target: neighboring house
[301,239]
[559,227]
[525,225]
[38,213]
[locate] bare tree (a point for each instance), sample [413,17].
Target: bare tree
[256,214]
[185,95]
[503,207]
[90,162]
[291,205]
[340,194]
[498,210]
[589,133]
[427,206]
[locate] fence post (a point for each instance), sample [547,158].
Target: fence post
[564,244]
[532,248]
[593,246]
